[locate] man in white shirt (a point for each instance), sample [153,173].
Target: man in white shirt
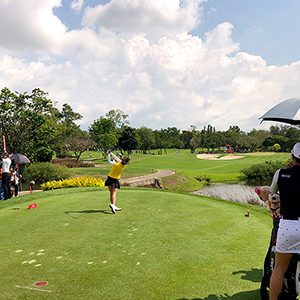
[6,162]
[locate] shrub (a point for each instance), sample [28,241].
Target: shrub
[205,178]
[84,181]
[62,154]
[43,172]
[262,172]
[44,154]
[72,163]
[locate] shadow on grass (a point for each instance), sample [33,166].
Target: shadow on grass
[254,275]
[250,295]
[90,211]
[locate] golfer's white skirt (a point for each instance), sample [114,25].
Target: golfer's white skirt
[288,236]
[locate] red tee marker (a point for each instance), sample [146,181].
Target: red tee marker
[40,283]
[31,206]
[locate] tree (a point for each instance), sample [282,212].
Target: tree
[193,129]
[196,141]
[44,154]
[259,135]
[233,136]
[68,116]
[277,147]
[162,139]
[282,130]
[212,141]
[127,139]
[293,135]
[27,121]
[276,139]
[186,137]
[119,117]
[235,129]
[102,126]
[209,137]
[12,107]
[174,137]
[147,139]
[107,141]
[78,142]
[249,142]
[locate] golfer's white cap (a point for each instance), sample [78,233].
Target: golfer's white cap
[296,150]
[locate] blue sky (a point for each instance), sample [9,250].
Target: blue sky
[268,28]
[164,62]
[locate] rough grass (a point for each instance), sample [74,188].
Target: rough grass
[163,245]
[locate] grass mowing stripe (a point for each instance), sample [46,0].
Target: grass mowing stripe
[163,245]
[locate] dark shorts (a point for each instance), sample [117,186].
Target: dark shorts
[112,181]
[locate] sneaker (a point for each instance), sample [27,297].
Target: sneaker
[112,207]
[117,208]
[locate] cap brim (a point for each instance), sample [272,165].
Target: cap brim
[296,155]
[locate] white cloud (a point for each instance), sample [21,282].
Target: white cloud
[30,25]
[219,39]
[77,5]
[174,79]
[154,18]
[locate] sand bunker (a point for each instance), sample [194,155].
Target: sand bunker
[216,156]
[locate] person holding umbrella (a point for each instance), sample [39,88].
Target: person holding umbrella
[287,182]
[6,162]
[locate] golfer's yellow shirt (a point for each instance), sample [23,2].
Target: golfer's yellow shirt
[116,170]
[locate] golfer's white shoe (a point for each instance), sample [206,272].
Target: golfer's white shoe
[117,208]
[113,209]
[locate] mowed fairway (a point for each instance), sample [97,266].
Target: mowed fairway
[184,161]
[163,245]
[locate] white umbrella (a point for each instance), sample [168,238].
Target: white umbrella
[286,111]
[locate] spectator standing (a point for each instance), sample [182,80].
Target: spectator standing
[287,182]
[6,162]
[15,181]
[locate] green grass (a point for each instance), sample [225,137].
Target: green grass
[187,166]
[130,171]
[163,245]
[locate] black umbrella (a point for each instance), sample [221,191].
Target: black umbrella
[286,112]
[20,159]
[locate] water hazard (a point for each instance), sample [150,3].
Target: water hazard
[232,192]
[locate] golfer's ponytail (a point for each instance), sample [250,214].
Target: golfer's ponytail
[125,160]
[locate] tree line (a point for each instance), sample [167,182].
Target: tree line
[32,125]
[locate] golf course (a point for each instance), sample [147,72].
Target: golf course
[164,244]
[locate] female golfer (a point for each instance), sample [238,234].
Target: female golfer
[112,181]
[287,182]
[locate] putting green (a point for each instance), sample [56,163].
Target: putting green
[162,245]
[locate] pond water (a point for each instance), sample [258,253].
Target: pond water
[232,192]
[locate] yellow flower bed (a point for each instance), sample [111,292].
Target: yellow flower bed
[84,181]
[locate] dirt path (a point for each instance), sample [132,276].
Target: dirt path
[28,192]
[90,161]
[159,174]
